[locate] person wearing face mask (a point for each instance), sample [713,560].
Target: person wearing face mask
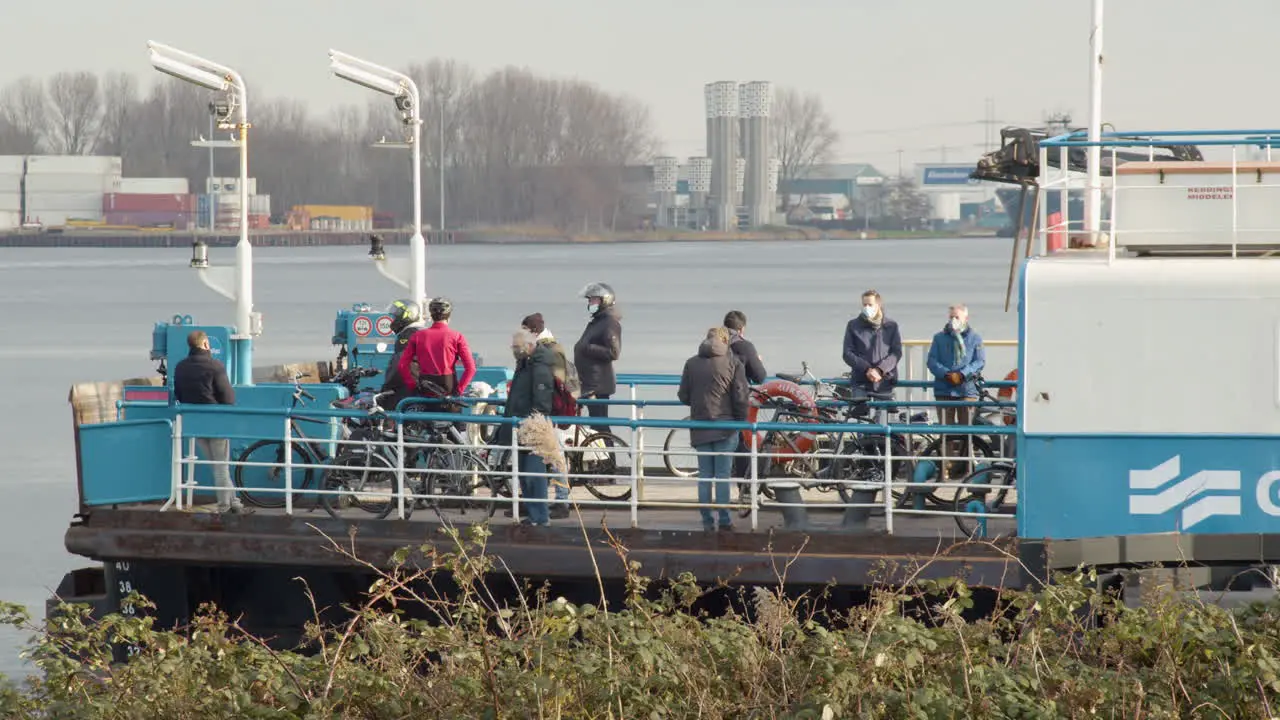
[872,348]
[956,357]
[532,390]
[598,349]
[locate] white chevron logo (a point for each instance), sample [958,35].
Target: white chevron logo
[1174,494]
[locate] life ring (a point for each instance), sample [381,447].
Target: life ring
[772,389]
[1007,394]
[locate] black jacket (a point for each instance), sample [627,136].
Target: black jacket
[392,381]
[714,386]
[201,380]
[745,351]
[596,351]
[867,346]
[532,390]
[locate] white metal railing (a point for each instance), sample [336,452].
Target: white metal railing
[1168,228]
[409,486]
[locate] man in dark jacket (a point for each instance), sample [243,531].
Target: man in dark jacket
[714,386]
[872,348]
[406,319]
[745,351]
[598,349]
[201,380]
[532,390]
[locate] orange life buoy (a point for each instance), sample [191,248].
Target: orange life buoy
[776,388]
[1006,394]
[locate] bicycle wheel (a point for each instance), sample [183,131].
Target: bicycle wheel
[869,468]
[256,482]
[367,479]
[944,498]
[498,480]
[677,442]
[454,474]
[1002,477]
[593,457]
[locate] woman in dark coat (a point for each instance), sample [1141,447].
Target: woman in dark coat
[532,390]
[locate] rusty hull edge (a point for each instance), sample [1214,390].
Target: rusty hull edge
[534,554]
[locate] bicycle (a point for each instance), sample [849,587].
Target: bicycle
[357,469]
[1002,477]
[589,455]
[304,451]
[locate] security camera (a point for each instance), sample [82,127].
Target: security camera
[404,103]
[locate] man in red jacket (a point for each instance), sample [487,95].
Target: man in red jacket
[429,360]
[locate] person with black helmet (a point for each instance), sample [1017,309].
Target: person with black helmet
[406,319]
[429,361]
[599,348]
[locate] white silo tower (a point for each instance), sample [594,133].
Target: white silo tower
[699,188]
[722,147]
[755,104]
[665,179]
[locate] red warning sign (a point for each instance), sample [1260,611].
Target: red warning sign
[362,326]
[384,325]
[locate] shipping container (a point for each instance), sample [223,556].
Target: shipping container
[336,212]
[10,219]
[384,221]
[12,164]
[74,164]
[57,218]
[229,185]
[68,183]
[64,201]
[151,186]
[259,222]
[131,202]
[10,183]
[175,220]
[10,201]
[259,204]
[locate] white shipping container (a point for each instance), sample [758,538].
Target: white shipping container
[946,206]
[64,201]
[12,164]
[150,186]
[231,186]
[259,204]
[69,183]
[73,164]
[10,219]
[10,183]
[10,201]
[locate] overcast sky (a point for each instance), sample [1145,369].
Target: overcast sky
[919,69]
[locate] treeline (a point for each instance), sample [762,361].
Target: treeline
[516,147]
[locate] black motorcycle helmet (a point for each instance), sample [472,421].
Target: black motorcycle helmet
[440,309]
[403,313]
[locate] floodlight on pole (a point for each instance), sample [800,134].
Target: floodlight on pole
[405,92]
[214,76]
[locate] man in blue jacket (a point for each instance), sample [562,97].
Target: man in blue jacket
[956,357]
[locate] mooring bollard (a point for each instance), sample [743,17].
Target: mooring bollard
[855,518]
[795,516]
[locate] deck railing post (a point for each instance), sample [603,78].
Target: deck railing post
[515,474]
[401,485]
[175,474]
[755,479]
[637,471]
[888,480]
[288,466]
[191,473]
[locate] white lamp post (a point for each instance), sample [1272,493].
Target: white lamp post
[220,78]
[1093,198]
[405,91]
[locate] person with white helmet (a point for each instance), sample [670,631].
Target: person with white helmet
[599,348]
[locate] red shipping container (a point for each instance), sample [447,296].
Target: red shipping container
[178,221]
[259,222]
[131,202]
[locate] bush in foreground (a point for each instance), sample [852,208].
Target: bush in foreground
[1066,651]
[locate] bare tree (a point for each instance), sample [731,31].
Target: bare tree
[803,133]
[121,109]
[76,112]
[24,116]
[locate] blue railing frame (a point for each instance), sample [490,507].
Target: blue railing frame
[1154,138]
